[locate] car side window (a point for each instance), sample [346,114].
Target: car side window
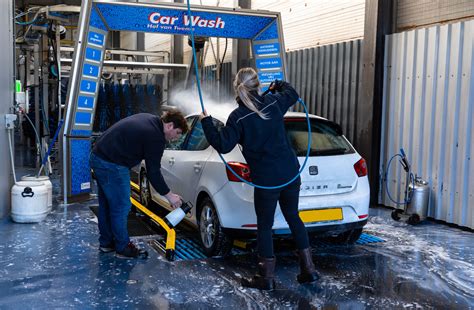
[197,140]
[180,143]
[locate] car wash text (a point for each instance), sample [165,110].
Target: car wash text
[157,20]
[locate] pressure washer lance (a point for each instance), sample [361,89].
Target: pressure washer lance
[272,88]
[174,217]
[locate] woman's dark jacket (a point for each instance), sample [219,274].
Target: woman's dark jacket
[264,142]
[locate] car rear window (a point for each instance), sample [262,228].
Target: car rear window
[326,137]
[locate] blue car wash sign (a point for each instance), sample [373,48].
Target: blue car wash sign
[176,21]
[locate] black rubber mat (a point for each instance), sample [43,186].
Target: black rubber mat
[136,227]
[363,239]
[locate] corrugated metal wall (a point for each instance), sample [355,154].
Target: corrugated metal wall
[208,82]
[413,14]
[326,77]
[317,22]
[428,110]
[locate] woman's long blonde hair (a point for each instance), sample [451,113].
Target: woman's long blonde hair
[245,82]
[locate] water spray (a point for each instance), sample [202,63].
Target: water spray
[220,155]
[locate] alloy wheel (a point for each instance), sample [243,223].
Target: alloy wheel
[144,190]
[207,226]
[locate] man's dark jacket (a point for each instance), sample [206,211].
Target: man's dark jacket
[133,139]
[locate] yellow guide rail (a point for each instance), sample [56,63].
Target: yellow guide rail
[170,232]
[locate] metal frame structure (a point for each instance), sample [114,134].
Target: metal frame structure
[97,18]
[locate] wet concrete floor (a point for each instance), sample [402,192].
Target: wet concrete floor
[56,264]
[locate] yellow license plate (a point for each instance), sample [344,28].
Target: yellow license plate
[322,215]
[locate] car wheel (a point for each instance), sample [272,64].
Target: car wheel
[348,237]
[414,219]
[145,192]
[214,240]
[396,214]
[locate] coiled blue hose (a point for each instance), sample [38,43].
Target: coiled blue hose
[220,155]
[412,180]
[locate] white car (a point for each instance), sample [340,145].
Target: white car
[334,196]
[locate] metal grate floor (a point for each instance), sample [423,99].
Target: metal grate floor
[366,238]
[190,249]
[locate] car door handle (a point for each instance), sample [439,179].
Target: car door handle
[197,167]
[171,161]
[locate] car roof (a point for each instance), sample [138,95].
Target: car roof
[222,115]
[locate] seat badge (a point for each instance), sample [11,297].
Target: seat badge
[313,170]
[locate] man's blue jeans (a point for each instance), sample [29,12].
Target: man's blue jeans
[114,201]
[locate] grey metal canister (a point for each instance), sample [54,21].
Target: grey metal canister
[420,195]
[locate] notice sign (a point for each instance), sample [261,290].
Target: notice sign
[266,49]
[268,63]
[268,77]
[96,38]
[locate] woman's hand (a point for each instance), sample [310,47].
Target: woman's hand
[203,115]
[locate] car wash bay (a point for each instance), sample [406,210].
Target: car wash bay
[56,263]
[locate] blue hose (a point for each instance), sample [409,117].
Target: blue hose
[220,155]
[412,179]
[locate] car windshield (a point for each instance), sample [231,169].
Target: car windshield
[326,138]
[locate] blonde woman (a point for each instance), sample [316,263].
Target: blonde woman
[257,124]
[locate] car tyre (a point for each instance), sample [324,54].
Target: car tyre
[396,214]
[213,238]
[348,237]
[145,192]
[414,219]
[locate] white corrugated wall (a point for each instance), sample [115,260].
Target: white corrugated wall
[428,110]
[312,23]
[416,13]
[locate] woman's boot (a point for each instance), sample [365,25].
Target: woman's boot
[265,278]
[308,272]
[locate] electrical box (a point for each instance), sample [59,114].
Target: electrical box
[10,121]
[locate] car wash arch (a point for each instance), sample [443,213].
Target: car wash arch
[98,18]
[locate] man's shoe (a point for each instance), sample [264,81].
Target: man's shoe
[131,251]
[107,249]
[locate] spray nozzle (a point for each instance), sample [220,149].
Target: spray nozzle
[273,87]
[186,206]
[175,216]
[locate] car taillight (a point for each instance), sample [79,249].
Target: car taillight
[241,169]
[360,168]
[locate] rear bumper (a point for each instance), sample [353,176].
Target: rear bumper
[312,230]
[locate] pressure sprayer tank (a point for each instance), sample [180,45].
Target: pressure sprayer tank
[29,202]
[420,195]
[47,182]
